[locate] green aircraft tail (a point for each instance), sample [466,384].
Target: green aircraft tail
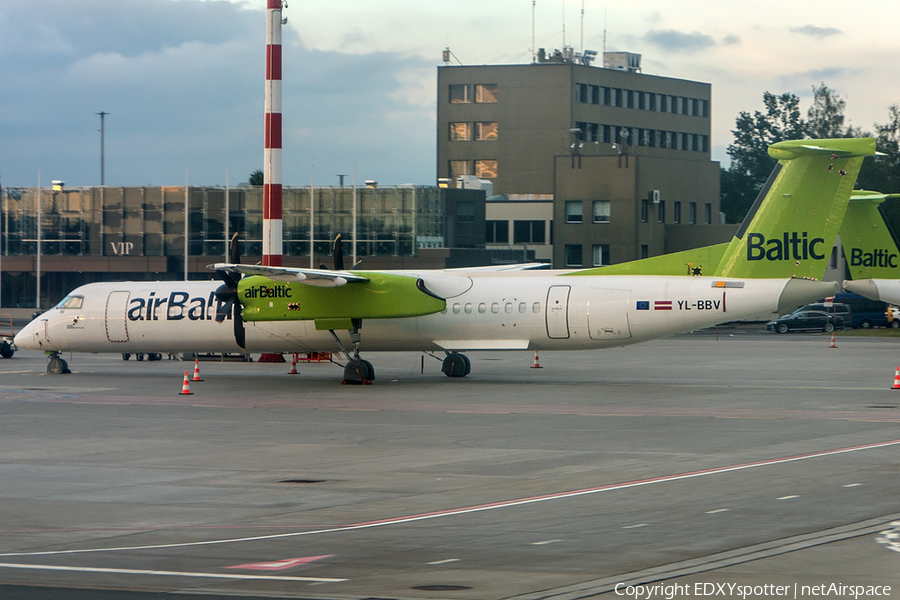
[791,227]
[869,244]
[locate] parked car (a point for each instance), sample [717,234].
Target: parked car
[866,313]
[893,316]
[808,320]
[835,308]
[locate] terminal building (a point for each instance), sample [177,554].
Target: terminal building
[619,159]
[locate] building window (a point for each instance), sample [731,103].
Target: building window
[607,96]
[651,138]
[601,255]
[496,232]
[661,211]
[645,251]
[645,210]
[707,213]
[528,232]
[574,212]
[607,134]
[459,93]
[673,140]
[651,101]
[676,212]
[601,211]
[486,93]
[618,92]
[684,142]
[459,168]
[692,213]
[460,132]
[641,99]
[486,131]
[595,94]
[486,169]
[465,212]
[581,93]
[573,255]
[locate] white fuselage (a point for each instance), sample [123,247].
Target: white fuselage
[513,311]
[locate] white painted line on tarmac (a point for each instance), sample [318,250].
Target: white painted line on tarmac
[791,497]
[443,562]
[169,573]
[635,526]
[545,542]
[478,508]
[850,485]
[718,510]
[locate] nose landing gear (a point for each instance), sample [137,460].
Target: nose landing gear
[57,365]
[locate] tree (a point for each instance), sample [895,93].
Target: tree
[825,117]
[882,174]
[750,160]
[257,177]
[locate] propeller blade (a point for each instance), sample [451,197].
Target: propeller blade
[338,254]
[234,255]
[239,334]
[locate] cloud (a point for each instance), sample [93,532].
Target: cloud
[816,32]
[676,41]
[804,80]
[183,83]
[731,39]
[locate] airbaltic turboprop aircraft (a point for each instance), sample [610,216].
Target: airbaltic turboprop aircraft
[770,266]
[873,258]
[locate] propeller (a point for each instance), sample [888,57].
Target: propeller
[338,254]
[227,294]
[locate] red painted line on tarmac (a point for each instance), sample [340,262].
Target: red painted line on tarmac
[487,506]
[280,565]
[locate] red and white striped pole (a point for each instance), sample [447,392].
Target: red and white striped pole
[272,227]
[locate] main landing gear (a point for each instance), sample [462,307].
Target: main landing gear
[456,365]
[357,371]
[57,365]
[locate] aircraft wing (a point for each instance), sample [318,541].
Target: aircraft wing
[498,268]
[314,277]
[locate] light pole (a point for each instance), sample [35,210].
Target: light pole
[102,153]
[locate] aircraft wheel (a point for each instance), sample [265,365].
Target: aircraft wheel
[57,366]
[357,372]
[154,356]
[370,370]
[456,365]
[6,350]
[126,355]
[782,328]
[139,356]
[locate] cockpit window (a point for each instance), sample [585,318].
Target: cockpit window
[71,302]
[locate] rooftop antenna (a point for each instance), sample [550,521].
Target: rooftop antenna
[582,26]
[533,2]
[604,32]
[564,22]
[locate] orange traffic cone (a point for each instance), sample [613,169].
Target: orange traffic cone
[196,370]
[833,345]
[896,379]
[185,388]
[537,362]
[293,370]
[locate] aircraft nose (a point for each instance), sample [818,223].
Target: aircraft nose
[25,337]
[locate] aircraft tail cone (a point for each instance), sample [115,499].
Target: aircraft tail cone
[833,345]
[185,387]
[293,370]
[196,370]
[537,362]
[896,385]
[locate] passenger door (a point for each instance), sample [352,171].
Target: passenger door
[557,315]
[116,319]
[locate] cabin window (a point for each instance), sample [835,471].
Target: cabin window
[508,308]
[482,307]
[468,308]
[495,308]
[536,307]
[523,307]
[456,309]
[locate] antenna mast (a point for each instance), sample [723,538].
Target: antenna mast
[582,26]
[533,2]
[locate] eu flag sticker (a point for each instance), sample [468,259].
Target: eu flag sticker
[643,305]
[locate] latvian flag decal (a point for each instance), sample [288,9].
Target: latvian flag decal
[662,305]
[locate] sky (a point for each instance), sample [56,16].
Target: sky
[183,80]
